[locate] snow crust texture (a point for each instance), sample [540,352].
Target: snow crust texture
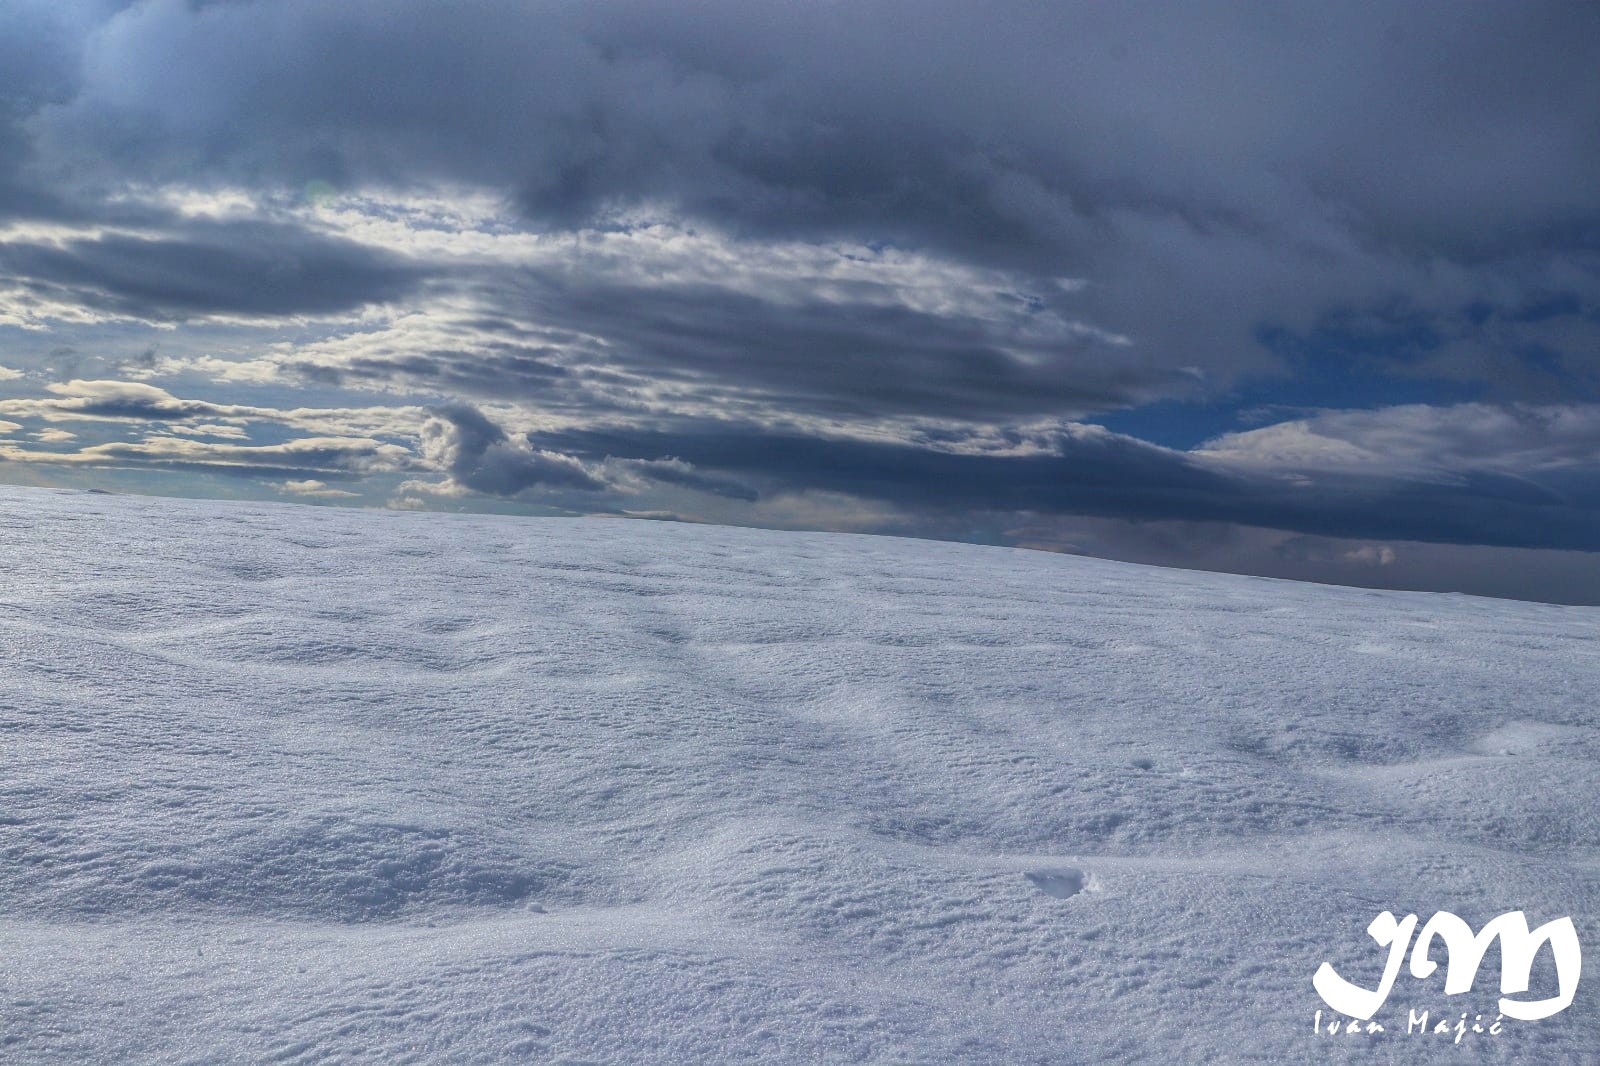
[289,784]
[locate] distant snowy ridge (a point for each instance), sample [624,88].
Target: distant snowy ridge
[318,785]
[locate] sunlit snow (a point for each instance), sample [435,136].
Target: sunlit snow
[309,785]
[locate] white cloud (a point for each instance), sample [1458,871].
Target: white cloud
[133,401]
[1418,439]
[343,454]
[312,487]
[209,429]
[1371,554]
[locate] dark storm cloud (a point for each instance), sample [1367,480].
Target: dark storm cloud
[852,358]
[997,127]
[41,53]
[1101,473]
[37,55]
[613,337]
[1358,205]
[477,454]
[1207,168]
[246,268]
[1210,171]
[674,471]
[496,369]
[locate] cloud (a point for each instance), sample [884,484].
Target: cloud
[1379,555]
[676,472]
[1209,171]
[1212,179]
[245,269]
[664,316]
[296,459]
[135,401]
[881,265]
[891,111]
[1088,470]
[1512,439]
[209,429]
[478,456]
[313,487]
[1518,476]
[117,400]
[846,357]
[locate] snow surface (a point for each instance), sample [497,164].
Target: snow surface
[297,784]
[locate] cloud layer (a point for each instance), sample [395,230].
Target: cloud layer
[1055,274]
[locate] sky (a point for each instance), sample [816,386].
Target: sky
[1306,291]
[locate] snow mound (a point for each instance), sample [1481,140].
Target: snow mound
[311,785]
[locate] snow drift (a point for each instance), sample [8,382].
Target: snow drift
[295,784]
